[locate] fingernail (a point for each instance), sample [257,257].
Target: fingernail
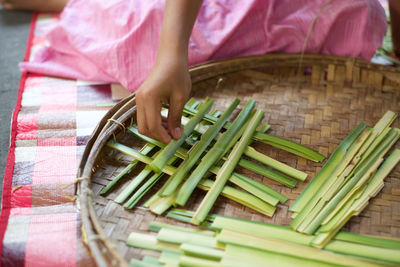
[178,132]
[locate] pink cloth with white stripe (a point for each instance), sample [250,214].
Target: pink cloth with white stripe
[117,40]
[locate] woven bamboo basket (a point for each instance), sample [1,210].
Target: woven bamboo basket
[312,99]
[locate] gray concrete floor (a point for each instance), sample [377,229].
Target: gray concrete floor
[14,29]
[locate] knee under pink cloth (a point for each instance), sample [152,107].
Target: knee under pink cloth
[117,40]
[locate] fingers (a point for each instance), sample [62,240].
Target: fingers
[154,123]
[164,123]
[177,103]
[165,84]
[149,118]
[141,118]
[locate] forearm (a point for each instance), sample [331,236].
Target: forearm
[178,21]
[394,6]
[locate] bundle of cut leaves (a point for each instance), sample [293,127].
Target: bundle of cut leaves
[238,242]
[353,174]
[210,145]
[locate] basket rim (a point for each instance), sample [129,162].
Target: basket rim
[95,238]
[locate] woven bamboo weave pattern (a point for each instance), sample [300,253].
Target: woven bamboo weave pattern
[316,106]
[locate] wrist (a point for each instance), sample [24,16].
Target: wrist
[171,58]
[172,53]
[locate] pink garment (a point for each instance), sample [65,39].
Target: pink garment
[117,40]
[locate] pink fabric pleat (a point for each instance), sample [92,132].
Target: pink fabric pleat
[116,41]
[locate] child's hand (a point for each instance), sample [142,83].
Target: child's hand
[168,82]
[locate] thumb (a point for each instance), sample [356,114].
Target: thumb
[174,116]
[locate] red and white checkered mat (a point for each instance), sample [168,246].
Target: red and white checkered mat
[40,222]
